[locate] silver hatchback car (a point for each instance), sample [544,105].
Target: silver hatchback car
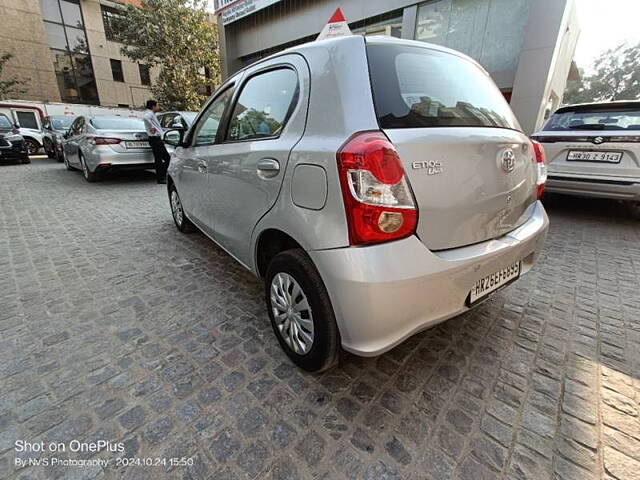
[377,186]
[96,145]
[594,150]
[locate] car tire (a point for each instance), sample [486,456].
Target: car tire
[33,147]
[88,175]
[51,152]
[292,273]
[634,210]
[66,162]
[183,224]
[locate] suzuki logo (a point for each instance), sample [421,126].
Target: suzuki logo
[508,161]
[598,140]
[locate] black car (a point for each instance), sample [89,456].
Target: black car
[12,146]
[53,128]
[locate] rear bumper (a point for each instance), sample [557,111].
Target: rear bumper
[620,189]
[106,158]
[383,294]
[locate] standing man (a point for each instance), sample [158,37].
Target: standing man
[154,131]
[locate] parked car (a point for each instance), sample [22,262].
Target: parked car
[28,120]
[12,146]
[177,120]
[99,144]
[53,129]
[377,186]
[594,150]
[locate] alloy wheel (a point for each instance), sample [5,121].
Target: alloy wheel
[292,313]
[32,146]
[176,207]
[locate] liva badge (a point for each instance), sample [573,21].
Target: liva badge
[335,27]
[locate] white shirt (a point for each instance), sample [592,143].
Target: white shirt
[151,121]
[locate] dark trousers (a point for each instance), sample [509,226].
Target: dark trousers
[161,157]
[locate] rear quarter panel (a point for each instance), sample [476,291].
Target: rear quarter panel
[340,104]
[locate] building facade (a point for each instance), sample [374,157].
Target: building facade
[526,45]
[64,51]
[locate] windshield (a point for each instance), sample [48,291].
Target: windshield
[108,123]
[419,87]
[5,123]
[62,123]
[614,119]
[189,117]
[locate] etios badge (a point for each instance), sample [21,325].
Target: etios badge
[508,161]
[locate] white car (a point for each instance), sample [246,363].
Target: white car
[593,150]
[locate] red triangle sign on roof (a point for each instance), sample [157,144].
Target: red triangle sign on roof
[336,26]
[337,16]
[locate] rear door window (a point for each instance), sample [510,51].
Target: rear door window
[264,105]
[417,87]
[600,119]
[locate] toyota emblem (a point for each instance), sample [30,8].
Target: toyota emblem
[508,161]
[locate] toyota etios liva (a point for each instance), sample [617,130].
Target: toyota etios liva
[377,186]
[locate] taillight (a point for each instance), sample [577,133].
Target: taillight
[103,140]
[541,164]
[377,198]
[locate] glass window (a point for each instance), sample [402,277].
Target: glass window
[116,70]
[491,31]
[78,126]
[110,17]
[27,120]
[167,120]
[145,74]
[389,24]
[263,105]
[597,119]
[50,10]
[207,128]
[117,123]
[77,40]
[62,123]
[71,14]
[55,36]
[419,87]
[5,122]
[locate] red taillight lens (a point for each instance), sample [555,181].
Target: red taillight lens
[377,198]
[541,164]
[103,140]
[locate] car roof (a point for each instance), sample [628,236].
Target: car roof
[595,106]
[371,40]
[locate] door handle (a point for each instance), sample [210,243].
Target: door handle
[268,167]
[202,167]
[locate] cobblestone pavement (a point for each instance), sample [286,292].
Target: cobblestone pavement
[114,326]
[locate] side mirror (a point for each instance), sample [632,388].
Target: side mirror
[173,137]
[177,126]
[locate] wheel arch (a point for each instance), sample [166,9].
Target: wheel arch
[269,243]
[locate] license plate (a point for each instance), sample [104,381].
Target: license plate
[136,144]
[592,156]
[493,282]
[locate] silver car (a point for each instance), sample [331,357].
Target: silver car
[377,186]
[594,150]
[98,144]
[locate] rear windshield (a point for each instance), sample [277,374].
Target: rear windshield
[614,119]
[418,87]
[62,123]
[117,123]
